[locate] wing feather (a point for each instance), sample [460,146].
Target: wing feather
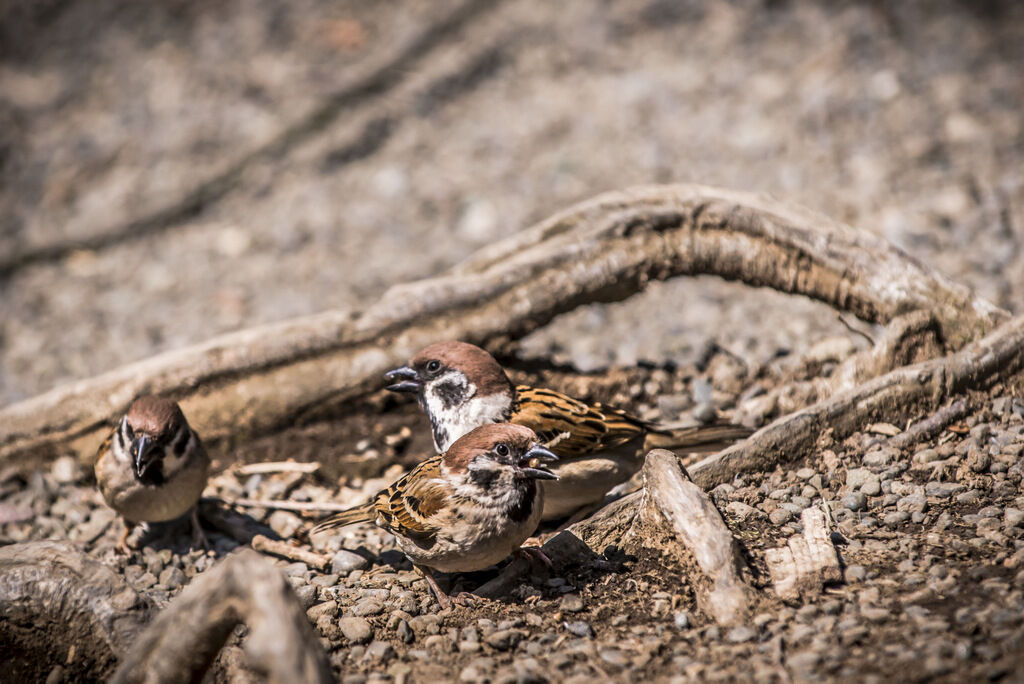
[409,506]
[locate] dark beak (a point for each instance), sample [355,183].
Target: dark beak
[403,379]
[141,455]
[533,462]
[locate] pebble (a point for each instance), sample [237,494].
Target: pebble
[780,516]
[355,629]
[285,523]
[614,657]
[742,511]
[1012,516]
[927,456]
[345,562]
[971,496]
[405,632]
[705,413]
[856,501]
[66,470]
[912,503]
[682,620]
[571,603]
[872,487]
[307,594]
[504,639]
[855,573]
[897,518]
[942,490]
[379,651]
[368,606]
[329,608]
[580,629]
[172,578]
[740,634]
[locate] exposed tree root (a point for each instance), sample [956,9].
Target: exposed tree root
[606,249]
[183,641]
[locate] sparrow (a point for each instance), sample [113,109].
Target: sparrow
[460,387]
[152,467]
[463,510]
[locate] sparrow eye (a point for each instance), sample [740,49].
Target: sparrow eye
[501,450]
[433,366]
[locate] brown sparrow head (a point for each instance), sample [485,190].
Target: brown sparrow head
[466,509]
[461,386]
[152,467]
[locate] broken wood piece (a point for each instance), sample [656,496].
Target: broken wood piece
[56,600]
[668,493]
[277,467]
[244,588]
[808,561]
[290,552]
[930,426]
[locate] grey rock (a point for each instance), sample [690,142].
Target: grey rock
[580,629]
[368,606]
[897,518]
[571,603]
[682,620]
[912,503]
[66,470]
[285,523]
[307,594]
[971,496]
[405,632]
[1012,516]
[743,511]
[942,490]
[355,629]
[740,634]
[880,457]
[504,639]
[172,578]
[855,501]
[780,516]
[379,652]
[855,573]
[872,487]
[705,413]
[328,608]
[927,456]
[345,562]
[614,657]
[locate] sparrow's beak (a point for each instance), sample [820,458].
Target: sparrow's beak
[403,379]
[141,454]
[533,462]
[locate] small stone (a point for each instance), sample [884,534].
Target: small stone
[912,503]
[740,634]
[307,594]
[368,606]
[682,620]
[872,487]
[172,578]
[971,496]
[329,608]
[942,490]
[780,516]
[571,603]
[379,651]
[927,456]
[469,646]
[614,657]
[855,501]
[405,632]
[897,518]
[66,470]
[284,523]
[743,511]
[705,413]
[580,629]
[1012,516]
[345,562]
[879,457]
[355,629]
[504,639]
[978,461]
[855,573]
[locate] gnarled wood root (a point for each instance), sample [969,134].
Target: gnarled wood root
[245,588]
[61,608]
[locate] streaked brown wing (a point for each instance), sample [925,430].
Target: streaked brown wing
[587,428]
[408,507]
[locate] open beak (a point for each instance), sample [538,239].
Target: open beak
[403,379]
[533,462]
[141,455]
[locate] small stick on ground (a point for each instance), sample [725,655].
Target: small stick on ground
[293,553]
[277,467]
[930,426]
[301,506]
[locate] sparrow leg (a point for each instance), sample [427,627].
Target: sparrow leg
[442,598]
[465,598]
[122,542]
[198,537]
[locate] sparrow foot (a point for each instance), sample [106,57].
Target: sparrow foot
[442,597]
[465,598]
[122,542]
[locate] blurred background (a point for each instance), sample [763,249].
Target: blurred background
[175,169]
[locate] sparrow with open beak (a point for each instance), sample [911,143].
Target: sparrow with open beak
[466,509]
[152,467]
[460,387]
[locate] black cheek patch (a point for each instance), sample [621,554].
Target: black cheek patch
[485,478]
[450,393]
[521,506]
[180,442]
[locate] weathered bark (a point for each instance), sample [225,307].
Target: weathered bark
[893,398]
[59,607]
[602,250]
[184,639]
[807,562]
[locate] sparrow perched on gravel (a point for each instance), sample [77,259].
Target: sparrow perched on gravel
[460,386]
[152,467]
[466,509]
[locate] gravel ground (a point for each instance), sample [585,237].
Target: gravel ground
[151,186]
[931,539]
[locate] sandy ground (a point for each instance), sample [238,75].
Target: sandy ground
[172,170]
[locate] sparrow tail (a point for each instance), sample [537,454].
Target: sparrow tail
[358,514]
[698,438]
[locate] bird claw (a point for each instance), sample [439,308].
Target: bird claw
[535,555]
[199,537]
[465,598]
